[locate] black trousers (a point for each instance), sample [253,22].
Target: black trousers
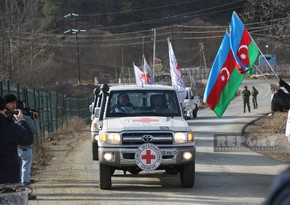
[9,175]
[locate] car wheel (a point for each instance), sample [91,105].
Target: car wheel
[105,177]
[95,151]
[187,175]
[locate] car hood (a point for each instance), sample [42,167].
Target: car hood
[145,123]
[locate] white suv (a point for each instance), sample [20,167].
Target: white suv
[190,104]
[143,137]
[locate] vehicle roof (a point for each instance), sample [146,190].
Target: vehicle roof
[138,87]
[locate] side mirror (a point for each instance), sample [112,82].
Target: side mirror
[91,108]
[96,113]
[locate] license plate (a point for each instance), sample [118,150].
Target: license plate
[169,152]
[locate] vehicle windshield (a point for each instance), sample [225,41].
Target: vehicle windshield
[143,103]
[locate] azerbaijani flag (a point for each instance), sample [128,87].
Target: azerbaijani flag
[224,79]
[243,46]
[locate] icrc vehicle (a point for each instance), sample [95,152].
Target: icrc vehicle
[190,104]
[141,137]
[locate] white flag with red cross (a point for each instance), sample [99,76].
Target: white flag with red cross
[138,75]
[148,75]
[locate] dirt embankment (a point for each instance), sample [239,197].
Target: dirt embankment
[275,125]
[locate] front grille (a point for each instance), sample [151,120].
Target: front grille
[149,137]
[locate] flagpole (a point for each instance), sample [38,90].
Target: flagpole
[143,62]
[266,59]
[256,67]
[260,50]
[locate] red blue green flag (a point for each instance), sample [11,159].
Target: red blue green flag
[243,46]
[224,79]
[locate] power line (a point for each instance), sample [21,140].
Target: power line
[171,18]
[138,10]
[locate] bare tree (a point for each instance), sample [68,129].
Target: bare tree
[14,13]
[271,18]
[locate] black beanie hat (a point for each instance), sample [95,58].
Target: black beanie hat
[9,98]
[2,103]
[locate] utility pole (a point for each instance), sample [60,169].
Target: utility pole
[203,58]
[75,31]
[116,70]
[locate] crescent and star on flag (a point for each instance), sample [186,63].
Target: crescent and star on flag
[243,54]
[225,74]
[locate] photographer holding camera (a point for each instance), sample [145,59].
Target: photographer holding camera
[24,152]
[12,134]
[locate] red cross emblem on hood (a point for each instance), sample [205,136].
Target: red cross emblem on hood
[145,120]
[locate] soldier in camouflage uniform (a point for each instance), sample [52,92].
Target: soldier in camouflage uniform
[254,97]
[246,98]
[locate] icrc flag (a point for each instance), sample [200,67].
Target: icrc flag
[224,79]
[138,75]
[148,75]
[243,46]
[176,77]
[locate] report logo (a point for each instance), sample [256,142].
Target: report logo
[242,143]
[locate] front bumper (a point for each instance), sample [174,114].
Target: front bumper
[125,157]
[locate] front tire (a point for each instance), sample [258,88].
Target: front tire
[187,175]
[105,177]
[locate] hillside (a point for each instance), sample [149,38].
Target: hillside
[104,38]
[108,57]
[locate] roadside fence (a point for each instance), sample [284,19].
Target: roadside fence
[54,109]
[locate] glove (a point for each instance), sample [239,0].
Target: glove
[282,83]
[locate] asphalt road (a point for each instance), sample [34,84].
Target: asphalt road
[221,177]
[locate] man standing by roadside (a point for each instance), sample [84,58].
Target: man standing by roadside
[24,152]
[12,134]
[254,96]
[246,98]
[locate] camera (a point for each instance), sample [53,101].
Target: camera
[32,112]
[10,114]
[14,112]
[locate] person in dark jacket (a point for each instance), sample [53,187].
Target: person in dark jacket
[25,152]
[12,135]
[279,193]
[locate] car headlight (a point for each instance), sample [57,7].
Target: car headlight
[183,137]
[187,106]
[110,138]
